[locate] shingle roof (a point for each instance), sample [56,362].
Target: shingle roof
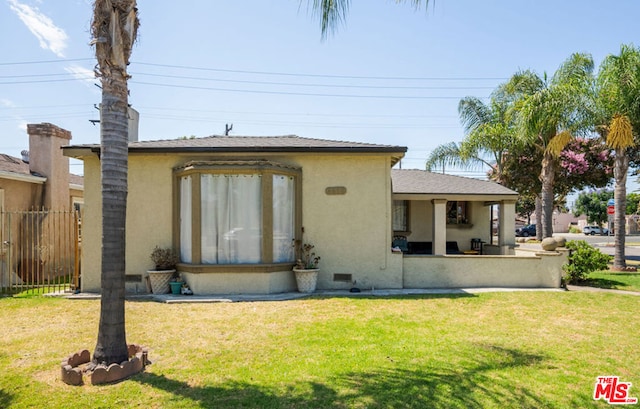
[286,143]
[13,165]
[414,181]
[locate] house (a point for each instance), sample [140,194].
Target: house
[233,205]
[41,178]
[37,191]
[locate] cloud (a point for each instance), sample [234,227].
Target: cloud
[50,36]
[6,103]
[81,73]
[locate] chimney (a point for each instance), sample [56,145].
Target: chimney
[46,159]
[134,120]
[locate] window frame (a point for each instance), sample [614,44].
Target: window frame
[407,216]
[266,170]
[462,218]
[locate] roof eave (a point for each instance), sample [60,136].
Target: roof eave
[22,177]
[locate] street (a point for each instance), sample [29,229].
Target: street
[606,243]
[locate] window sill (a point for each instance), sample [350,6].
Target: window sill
[460,226]
[233,268]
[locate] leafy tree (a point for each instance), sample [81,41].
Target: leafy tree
[618,121]
[549,114]
[526,206]
[632,203]
[114,29]
[584,163]
[593,205]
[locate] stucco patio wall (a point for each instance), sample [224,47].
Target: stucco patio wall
[534,270]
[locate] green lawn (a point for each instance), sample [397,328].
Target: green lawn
[619,281]
[491,350]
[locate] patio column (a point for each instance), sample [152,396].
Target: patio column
[439,233]
[507,225]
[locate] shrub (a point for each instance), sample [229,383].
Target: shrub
[583,259]
[574,229]
[164,258]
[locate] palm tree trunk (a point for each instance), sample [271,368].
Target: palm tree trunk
[112,345]
[547,176]
[114,28]
[621,165]
[538,213]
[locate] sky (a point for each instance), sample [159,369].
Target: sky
[389,75]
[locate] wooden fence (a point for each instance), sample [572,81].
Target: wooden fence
[40,251]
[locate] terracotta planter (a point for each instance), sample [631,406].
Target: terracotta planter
[306,279]
[160,280]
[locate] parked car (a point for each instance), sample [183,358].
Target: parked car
[593,230]
[526,231]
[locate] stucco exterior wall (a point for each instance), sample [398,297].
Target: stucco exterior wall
[351,232]
[420,223]
[21,195]
[533,270]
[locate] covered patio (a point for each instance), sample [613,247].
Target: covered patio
[438,214]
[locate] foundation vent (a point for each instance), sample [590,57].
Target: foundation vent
[342,277]
[133,278]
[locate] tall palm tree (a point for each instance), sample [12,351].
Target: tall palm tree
[618,99]
[114,28]
[550,113]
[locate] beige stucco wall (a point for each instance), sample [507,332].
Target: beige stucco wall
[21,195]
[351,232]
[420,219]
[531,270]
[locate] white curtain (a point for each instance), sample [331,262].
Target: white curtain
[185,219]
[283,218]
[231,219]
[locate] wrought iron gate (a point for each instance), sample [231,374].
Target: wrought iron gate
[40,251]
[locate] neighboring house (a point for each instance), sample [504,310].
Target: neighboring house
[41,178]
[232,206]
[34,243]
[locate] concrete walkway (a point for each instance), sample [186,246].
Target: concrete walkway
[183,299]
[195,299]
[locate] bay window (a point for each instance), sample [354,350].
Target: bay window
[234,213]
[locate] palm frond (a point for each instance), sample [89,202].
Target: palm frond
[558,143]
[473,112]
[334,12]
[445,154]
[620,133]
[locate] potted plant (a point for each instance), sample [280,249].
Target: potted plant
[306,268]
[164,260]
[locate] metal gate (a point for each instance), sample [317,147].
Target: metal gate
[40,251]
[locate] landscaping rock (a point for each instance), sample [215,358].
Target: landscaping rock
[549,244]
[562,241]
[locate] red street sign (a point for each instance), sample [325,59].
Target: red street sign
[611,210]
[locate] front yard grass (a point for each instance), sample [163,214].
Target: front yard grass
[627,281]
[490,350]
